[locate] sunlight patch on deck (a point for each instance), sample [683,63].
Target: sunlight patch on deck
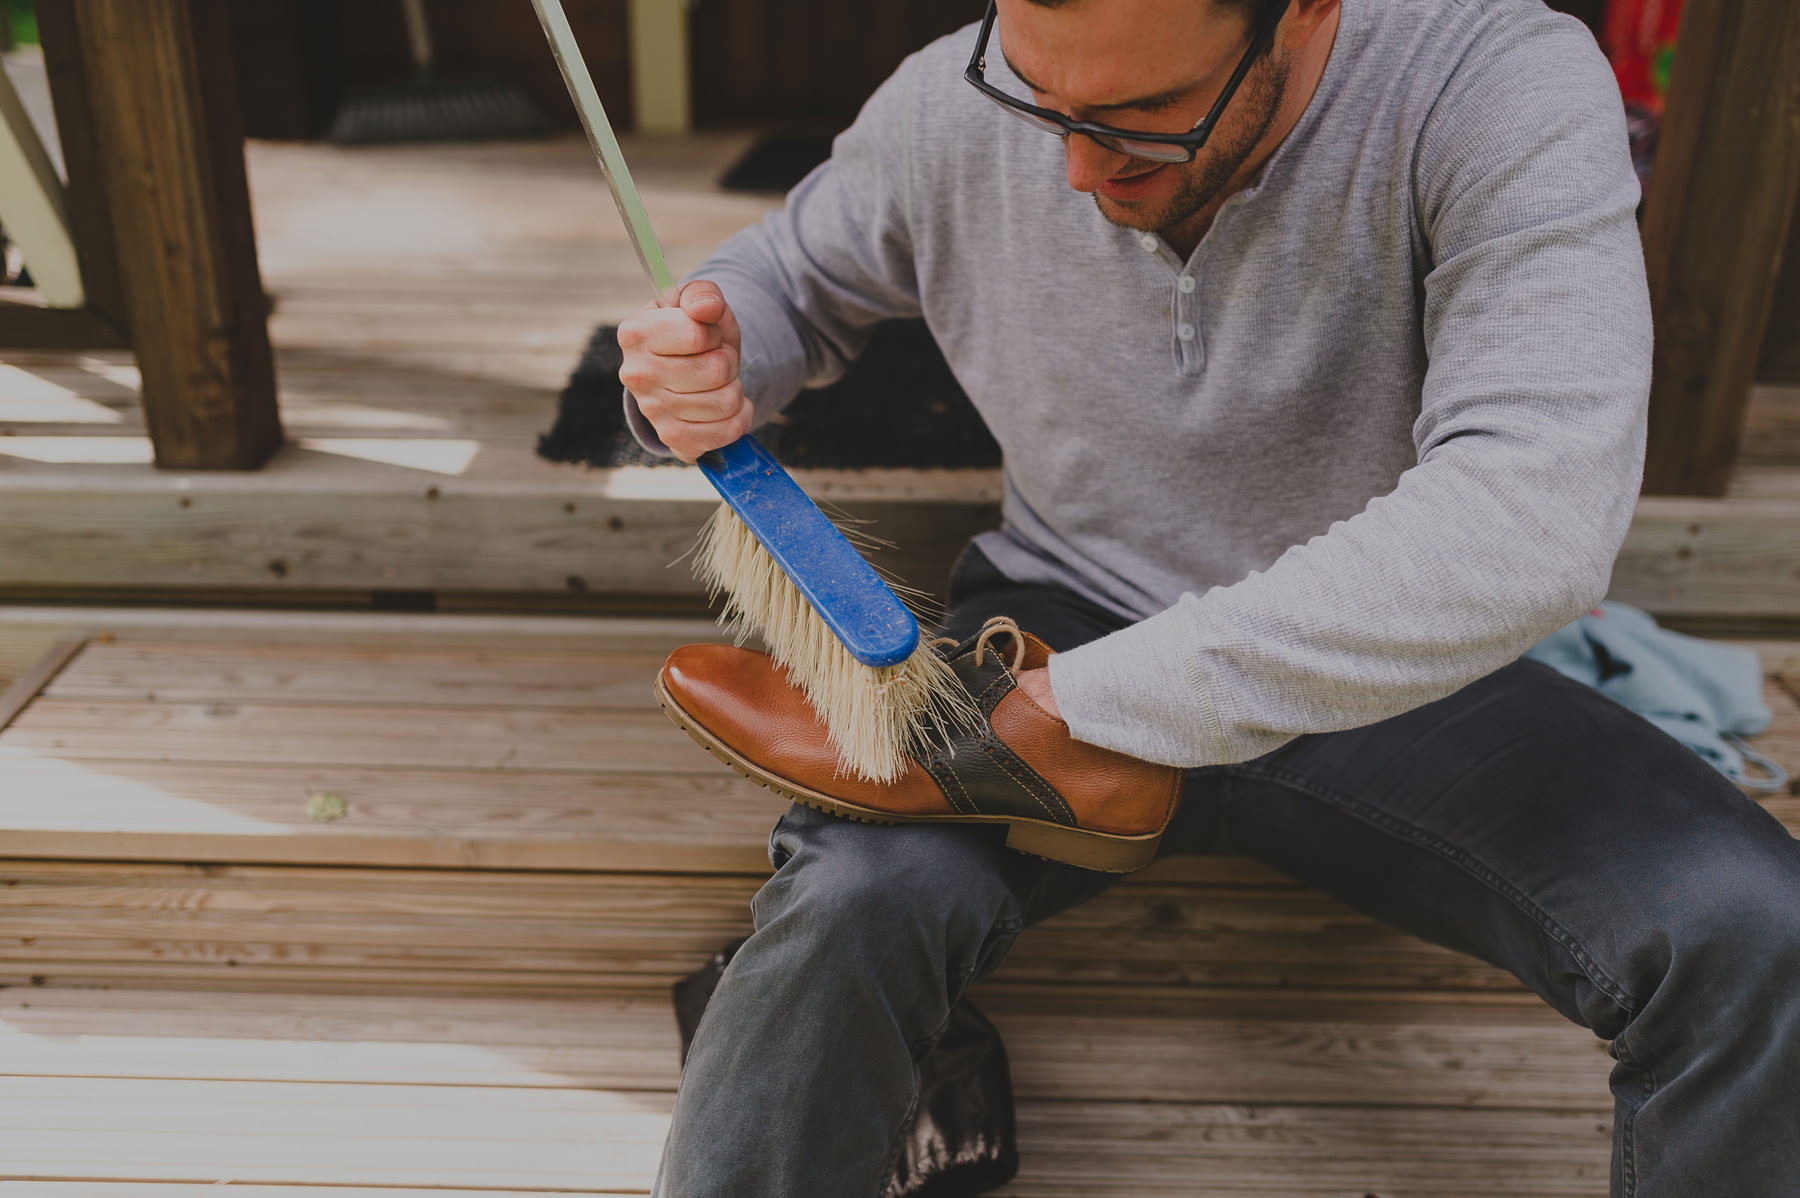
[26,396]
[80,451]
[352,415]
[48,793]
[437,455]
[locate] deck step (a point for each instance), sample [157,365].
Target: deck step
[142,1094]
[255,808]
[520,530]
[412,742]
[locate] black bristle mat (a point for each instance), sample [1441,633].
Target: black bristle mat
[776,161]
[897,406]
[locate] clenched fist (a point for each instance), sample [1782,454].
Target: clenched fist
[681,363]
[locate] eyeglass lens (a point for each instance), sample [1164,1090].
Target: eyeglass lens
[1155,151]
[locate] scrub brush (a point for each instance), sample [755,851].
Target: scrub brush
[783,568]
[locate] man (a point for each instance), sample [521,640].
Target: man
[1316,412]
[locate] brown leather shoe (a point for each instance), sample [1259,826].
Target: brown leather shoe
[1058,797]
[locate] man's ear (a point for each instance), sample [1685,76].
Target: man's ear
[1301,21]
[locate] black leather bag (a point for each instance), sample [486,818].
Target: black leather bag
[962,1139]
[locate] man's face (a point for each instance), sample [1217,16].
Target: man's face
[1151,65]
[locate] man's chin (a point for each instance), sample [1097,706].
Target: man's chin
[1142,215]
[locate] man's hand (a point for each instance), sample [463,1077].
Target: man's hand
[681,363]
[1036,685]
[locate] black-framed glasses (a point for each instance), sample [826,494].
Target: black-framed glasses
[1157,147]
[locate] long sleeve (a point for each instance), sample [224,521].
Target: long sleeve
[1529,439]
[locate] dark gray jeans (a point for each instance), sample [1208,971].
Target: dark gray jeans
[1526,820]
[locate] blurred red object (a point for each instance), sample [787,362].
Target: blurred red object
[1639,38]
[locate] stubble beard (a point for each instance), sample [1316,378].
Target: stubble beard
[1204,178]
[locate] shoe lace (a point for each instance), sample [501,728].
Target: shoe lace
[1002,626]
[996,626]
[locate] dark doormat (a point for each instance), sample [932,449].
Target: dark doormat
[897,406]
[776,161]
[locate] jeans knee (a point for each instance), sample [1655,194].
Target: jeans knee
[881,890]
[1737,932]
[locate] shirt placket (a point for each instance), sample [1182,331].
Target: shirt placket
[1187,345]
[1190,346]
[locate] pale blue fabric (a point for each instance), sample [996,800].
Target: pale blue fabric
[1704,694]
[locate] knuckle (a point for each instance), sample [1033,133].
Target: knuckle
[717,371]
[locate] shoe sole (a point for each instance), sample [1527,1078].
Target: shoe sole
[1105,852]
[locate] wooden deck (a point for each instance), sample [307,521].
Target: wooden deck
[336,904]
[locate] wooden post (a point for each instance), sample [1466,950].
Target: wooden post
[168,156]
[1716,220]
[659,66]
[90,219]
[1781,349]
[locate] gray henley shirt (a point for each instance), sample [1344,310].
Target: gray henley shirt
[1378,434]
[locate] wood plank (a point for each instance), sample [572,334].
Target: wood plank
[1772,429]
[28,627]
[177,673]
[225,792]
[679,823]
[27,685]
[1696,557]
[709,820]
[1715,225]
[162,100]
[476,931]
[1491,1051]
[312,520]
[497,739]
[1100,1150]
[323,1134]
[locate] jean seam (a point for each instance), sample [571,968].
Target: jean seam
[1628,1119]
[912,1109]
[1460,858]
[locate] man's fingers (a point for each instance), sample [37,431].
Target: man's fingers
[700,407]
[691,438]
[668,333]
[703,301]
[681,363]
[690,375]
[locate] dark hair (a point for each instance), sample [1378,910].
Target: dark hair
[1254,10]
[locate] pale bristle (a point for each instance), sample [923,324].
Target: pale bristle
[875,717]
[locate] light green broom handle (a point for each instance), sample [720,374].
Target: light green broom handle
[606,146]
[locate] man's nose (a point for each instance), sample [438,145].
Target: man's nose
[1089,163]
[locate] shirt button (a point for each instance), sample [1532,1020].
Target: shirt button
[1149,242]
[1187,284]
[1185,331]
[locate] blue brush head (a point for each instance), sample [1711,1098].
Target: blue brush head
[861,610]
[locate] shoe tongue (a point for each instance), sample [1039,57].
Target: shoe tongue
[1037,653]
